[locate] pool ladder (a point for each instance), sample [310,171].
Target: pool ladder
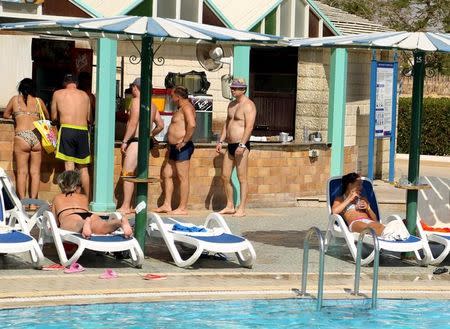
[315,231]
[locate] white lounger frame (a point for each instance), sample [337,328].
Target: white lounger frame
[437,237]
[17,222]
[215,225]
[49,230]
[18,211]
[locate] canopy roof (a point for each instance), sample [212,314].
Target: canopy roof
[423,41]
[134,27]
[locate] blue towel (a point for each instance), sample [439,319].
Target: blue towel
[182,228]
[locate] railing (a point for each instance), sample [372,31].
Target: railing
[376,263]
[311,232]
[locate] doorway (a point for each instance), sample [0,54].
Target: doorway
[273,88]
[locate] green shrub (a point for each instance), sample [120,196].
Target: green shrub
[435,133]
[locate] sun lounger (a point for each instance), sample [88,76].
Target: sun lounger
[14,207]
[214,236]
[15,241]
[442,238]
[115,242]
[337,227]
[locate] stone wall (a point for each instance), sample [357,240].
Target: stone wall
[278,174]
[312,103]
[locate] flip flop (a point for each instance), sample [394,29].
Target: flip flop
[440,270]
[154,277]
[74,268]
[109,274]
[53,267]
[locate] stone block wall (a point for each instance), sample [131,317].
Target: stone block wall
[312,103]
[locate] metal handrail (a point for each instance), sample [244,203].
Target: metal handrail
[310,233]
[376,263]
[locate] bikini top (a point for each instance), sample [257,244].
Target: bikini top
[20,112]
[350,206]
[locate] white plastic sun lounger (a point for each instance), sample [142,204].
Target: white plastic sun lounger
[15,241]
[337,227]
[14,206]
[436,237]
[217,239]
[49,230]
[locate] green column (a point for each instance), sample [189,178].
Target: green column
[144,132]
[414,141]
[241,69]
[336,108]
[103,179]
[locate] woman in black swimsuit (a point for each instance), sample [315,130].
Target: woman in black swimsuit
[72,214]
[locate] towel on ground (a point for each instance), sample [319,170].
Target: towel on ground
[395,231]
[183,228]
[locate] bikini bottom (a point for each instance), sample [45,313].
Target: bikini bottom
[28,136]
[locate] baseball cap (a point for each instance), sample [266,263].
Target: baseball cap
[238,83]
[137,82]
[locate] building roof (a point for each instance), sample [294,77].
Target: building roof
[105,8]
[242,15]
[348,23]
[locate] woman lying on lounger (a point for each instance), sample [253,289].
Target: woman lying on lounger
[71,210]
[354,208]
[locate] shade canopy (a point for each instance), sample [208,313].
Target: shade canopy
[135,27]
[415,41]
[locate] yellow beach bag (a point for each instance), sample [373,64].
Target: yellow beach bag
[48,132]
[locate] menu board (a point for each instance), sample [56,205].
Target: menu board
[384,94]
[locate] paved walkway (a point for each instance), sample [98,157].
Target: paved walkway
[277,236]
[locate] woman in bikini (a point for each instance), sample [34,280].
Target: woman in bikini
[71,210]
[354,208]
[24,109]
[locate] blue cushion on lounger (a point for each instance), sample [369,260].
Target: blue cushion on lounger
[14,237]
[105,238]
[223,238]
[411,239]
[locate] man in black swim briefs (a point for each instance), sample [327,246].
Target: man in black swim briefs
[236,132]
[180,149]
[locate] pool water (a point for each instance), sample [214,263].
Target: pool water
[283,313]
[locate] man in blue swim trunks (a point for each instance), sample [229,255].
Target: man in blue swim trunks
[180,148]
[236,132]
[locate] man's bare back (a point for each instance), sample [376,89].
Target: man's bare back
[71,106]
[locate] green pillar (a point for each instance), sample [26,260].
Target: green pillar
[414,141]
[241,69]
[144,133]
[103,179]
[336,108]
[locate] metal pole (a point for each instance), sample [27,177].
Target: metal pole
[376,263]
[144,132]
[373,99]
[394,121]
[310,233]
[414,141]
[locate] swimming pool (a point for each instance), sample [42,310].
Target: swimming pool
[282,313]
